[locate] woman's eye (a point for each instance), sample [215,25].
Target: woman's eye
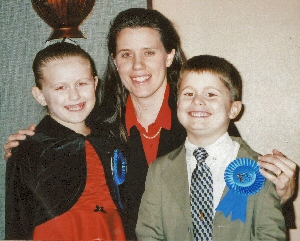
[149,53]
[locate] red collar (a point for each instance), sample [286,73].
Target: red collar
[164,118]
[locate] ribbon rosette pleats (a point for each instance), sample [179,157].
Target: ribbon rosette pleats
[119,162]
[119,170]
[243,179]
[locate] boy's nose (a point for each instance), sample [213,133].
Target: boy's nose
[198,100]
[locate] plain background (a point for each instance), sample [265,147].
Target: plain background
[262,39]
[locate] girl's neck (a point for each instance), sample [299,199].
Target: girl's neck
[147,109]
[80,128]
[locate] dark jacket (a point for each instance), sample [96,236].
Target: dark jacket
[47,174]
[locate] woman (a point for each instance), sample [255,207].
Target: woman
[140,95]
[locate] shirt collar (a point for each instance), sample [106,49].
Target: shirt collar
[164,118]
[217,150]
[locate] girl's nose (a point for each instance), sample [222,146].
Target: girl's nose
[74,94]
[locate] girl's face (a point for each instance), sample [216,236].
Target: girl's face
[142,61]
[205,107]
[68,89]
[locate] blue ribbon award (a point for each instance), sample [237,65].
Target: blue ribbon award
[243,179]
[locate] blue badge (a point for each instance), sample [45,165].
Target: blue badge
[119,176]
[119,161]
[243,179]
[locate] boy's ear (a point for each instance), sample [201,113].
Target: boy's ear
[170,58]
[38,95]
[236,107]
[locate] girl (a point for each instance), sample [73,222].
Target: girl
[59,184]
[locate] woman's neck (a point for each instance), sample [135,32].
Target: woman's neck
[147,109]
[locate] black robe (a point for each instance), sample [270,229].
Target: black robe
[47,173]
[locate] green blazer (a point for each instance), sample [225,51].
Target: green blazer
[165,212]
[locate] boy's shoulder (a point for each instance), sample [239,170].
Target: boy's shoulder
[172,158]
[245,150]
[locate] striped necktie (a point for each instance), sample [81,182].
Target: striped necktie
[202,197]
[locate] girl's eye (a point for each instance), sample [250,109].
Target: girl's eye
[60,88]
[82,84]
[126,55]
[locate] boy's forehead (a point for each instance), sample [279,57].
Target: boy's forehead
[200,78]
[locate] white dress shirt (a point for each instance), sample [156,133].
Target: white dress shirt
[220,154]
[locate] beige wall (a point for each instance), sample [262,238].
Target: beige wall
[262,39]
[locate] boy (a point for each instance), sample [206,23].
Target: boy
[209,97]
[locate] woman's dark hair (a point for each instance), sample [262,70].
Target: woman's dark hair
[114,91]
[58,51]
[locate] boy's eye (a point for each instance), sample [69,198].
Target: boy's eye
[211,94]
[188,94]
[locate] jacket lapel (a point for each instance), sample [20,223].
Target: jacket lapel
[176,178]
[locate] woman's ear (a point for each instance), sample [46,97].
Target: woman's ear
[236,107]
[38,95]
[170,58]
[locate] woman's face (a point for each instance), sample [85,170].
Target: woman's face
[142,61]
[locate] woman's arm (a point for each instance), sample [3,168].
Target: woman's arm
[285,173]
[13,140]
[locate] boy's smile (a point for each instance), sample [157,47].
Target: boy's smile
[205,107]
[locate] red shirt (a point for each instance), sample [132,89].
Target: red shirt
[81,222]
[163,120]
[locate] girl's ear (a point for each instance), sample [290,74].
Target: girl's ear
[38,95]
[236,107]
[170,58]
[96,81]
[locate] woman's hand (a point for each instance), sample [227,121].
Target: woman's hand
[13,140]
[283,173]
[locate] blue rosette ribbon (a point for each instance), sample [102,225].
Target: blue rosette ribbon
[243,179]
[119,162]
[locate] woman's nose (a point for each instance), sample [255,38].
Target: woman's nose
[138,62]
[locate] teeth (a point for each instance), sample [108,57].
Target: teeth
[141,79]
[75,107]
[199,114]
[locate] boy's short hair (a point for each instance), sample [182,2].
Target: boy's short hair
[227,73]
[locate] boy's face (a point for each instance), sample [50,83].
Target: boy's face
[68,89]
[205,107]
